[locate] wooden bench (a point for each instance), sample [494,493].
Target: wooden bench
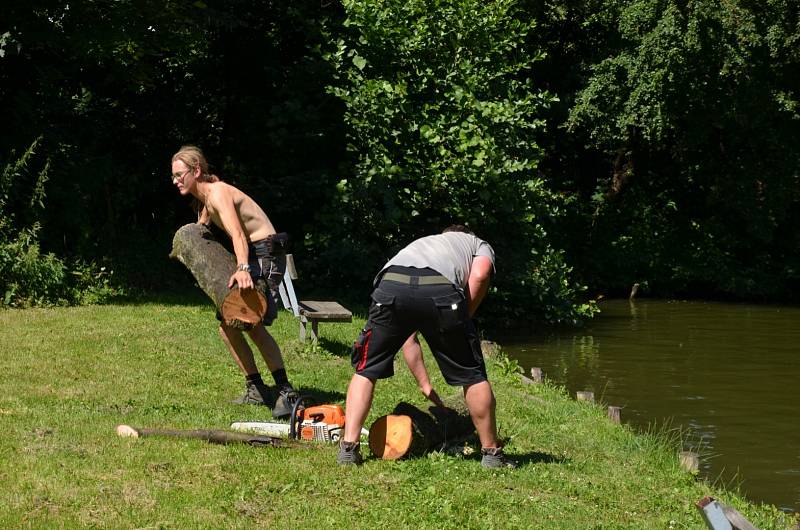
[313,311]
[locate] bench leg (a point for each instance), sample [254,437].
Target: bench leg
[314,331]
[302,329]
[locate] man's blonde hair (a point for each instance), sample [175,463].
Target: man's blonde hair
[193,157]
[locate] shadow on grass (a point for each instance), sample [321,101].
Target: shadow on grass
[538,458]
[316,396]
[336,348]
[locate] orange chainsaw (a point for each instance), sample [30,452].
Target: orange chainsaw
[321,423]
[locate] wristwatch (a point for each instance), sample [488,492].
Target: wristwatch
[243,267]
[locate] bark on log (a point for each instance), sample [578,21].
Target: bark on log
[212,265]
[410,431]
[212,436]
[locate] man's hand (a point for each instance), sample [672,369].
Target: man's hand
[242,279]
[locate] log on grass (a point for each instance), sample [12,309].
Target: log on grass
[212,265]
[410,431]
[212,436]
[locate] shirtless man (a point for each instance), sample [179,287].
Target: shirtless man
[261,257]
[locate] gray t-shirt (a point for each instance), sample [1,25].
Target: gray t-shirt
[450,254]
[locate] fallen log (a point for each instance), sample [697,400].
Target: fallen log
[212,436]
[410,431]
[212,265]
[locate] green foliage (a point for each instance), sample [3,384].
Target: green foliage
[695,108]
[27,275]
[506,365]
[442,117]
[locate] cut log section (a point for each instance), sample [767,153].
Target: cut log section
[410,431]
[212,266]
[212,436]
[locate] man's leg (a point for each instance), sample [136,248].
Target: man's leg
[412,353]
[256,392]
[481,403]
[357,405]
[239,349]
[268,347]
[271,352]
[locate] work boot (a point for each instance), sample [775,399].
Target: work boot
[493,457]
[254,394]
[349,454]
[287,397]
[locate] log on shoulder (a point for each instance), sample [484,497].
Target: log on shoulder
[410,431]
[212,265]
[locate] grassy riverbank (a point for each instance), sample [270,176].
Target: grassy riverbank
[70,375]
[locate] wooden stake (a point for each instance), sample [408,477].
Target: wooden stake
[614,414]
[690,461]
[585,395]
[536,374]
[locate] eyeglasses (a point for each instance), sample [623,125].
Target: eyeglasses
[176,176]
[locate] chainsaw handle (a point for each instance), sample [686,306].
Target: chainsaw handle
[294,421]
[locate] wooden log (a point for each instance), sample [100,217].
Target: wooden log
[212,265]
[410,431]
[212,436]
[585,395]
[634,291]
[614,414]
[690,461]
[536,374]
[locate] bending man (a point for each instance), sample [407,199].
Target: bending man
[434,285]
[261,258]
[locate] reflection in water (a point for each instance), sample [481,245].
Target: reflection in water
[728,373]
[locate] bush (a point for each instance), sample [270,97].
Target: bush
[29,276]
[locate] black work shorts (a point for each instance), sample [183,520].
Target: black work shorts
[438,311]
[267,260]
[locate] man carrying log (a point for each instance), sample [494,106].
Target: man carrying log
[434,285]
[261,258]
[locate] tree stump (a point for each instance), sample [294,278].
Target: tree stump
[410,431]
[212,265]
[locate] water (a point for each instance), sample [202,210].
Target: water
[728,372]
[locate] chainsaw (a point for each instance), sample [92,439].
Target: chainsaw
[320,423]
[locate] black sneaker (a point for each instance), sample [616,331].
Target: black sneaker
[349,454]
[287,397]
[493,457]
[254,395]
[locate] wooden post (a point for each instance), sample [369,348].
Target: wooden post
[536,374]
[585,395]
[634,290]
[690,461]
[614,414]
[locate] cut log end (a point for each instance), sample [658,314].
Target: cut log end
[126,431]
[243,308]
[390,436]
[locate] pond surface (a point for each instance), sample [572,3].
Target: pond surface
[728,373]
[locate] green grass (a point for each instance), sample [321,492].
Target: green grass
[70,375]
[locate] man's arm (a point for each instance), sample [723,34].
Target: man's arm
[412,353]
[220,200]
[480,274]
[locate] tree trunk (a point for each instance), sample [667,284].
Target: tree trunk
[212,436]
[212,265]
[409,431]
